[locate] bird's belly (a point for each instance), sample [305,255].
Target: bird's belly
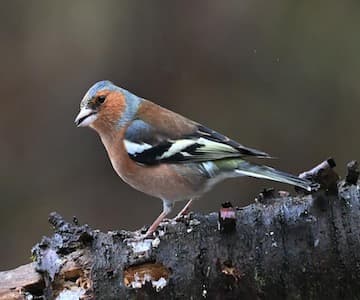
[173,182]
[164,181]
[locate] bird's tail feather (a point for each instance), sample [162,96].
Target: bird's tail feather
[265,172]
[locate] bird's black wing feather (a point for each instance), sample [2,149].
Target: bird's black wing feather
[147,146]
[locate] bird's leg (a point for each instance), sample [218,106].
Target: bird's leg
[184,211]
[167,208]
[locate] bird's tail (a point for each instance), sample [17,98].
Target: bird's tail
[260,171]
[238,167]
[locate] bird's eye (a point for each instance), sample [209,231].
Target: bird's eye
[101,99]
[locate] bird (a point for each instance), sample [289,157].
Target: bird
[164,154]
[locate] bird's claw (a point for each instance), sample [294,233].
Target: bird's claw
[138,236]
[135,239]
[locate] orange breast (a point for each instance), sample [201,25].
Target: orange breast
[162,181]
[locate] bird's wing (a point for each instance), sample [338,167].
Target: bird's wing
[148,146]
[172,138]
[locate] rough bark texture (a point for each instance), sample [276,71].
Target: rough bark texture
[282,247]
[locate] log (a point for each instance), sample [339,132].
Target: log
[280,247]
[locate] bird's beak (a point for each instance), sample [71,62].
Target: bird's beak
[85,117]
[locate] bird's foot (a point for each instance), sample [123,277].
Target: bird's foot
[145,234]
[135,236]
[184,212]
[182,215]
[138,236]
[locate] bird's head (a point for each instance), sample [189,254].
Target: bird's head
[106,106]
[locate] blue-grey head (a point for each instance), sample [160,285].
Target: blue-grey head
[105,105]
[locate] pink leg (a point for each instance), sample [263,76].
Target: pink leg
[155,224]
[167,207]
[184,211]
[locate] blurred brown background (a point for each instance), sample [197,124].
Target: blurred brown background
[281,76]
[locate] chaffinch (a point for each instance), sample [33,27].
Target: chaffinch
[164,154]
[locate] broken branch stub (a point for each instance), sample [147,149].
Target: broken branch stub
[353,172]
[324,175]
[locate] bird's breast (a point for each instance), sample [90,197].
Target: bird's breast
[165,181]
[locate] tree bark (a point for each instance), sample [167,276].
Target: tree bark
[281,247]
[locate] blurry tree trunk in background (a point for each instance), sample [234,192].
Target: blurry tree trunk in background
[281,247]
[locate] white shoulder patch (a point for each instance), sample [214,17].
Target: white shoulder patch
[212,146]
[133,148]
[177,147]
